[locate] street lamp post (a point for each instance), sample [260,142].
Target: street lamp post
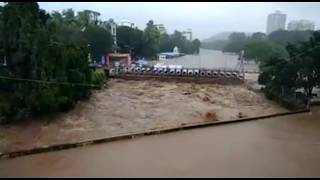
[89,55]
[114,35]
[5,61]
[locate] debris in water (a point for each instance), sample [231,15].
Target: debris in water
[211,116]
[206,99]
[241,115]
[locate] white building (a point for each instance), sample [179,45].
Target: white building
[93,16]
[276,21]
[300,25]
[176,50]
[113,29]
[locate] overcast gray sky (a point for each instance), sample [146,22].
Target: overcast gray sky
[204,18]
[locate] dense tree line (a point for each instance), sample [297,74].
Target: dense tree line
[262,50]
[140,43]
[285,37]
[81,28]
[151,41]
[288,60]
[260,46]
[48,48]
[236,42]
[301,69]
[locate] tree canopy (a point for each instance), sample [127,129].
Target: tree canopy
[150,42]
[283,37]
[300,70]
[35,47]
[259,36]
[276,41]
[236,42]
[263,50]
[99,41]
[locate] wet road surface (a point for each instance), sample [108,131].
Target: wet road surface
[205,59]
[287,146]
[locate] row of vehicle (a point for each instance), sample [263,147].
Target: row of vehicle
[179,72]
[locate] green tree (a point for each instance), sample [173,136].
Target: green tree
[99,40]
[64,30]
[306,56]
[283,37]
[300,70]
[196,46]
[152,40]
[34,47]
[83,19]
[278,73]
[130,40]
[166,43]
[69,16]
[236,43]
[263,50]
[258,36]
[83,30]
[180,41]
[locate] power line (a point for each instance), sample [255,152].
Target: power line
[48,82]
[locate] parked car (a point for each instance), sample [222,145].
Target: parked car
[142,63]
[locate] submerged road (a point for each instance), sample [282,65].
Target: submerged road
[205,59]
[287,146]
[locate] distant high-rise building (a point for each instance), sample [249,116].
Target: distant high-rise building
[276,21]
[187,34]
[300,25]
[93,16]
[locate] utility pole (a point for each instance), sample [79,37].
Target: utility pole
[114,35]
[200,62]
[5,61]
[242,63]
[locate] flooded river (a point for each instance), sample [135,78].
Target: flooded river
[287,146]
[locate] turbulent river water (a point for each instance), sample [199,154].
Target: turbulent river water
[287,146]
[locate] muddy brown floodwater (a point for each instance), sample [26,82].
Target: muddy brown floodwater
[134,106]
[287,146]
